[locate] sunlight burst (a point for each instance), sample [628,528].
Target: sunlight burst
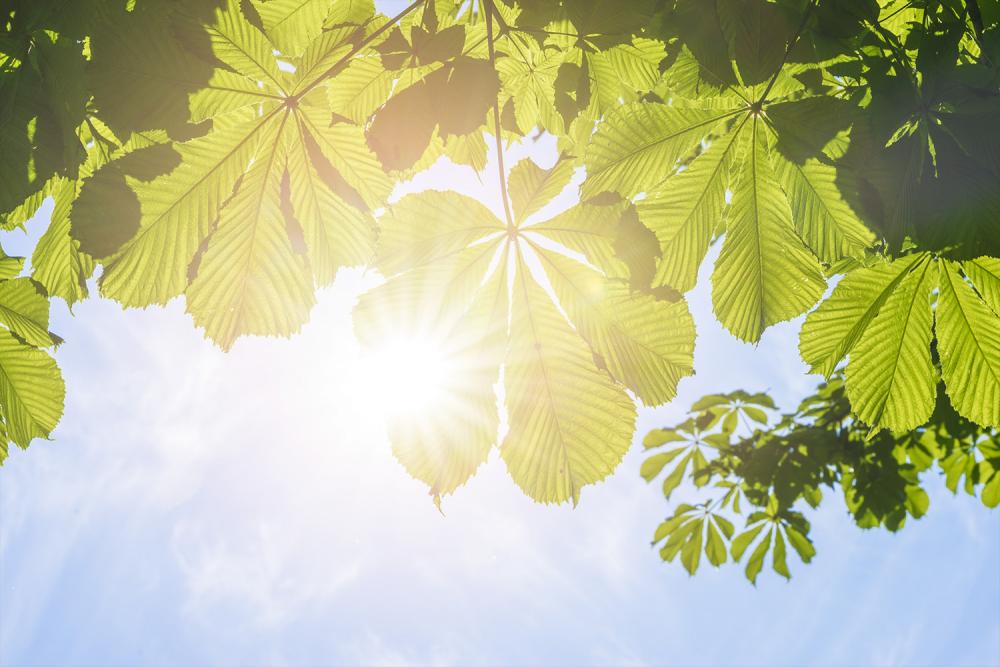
[408,375]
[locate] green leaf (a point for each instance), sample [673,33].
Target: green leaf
[358,91]
[686,213]
[531,187]
[673,480]
[57,263]
[637,146]
[336,233]
[645,343]
[292,24]
[725,525]
[823,218]
[140,47]
[24,309]
[31,391]
[801,543]
[968,334]
[528,76]
[756,561]
[780,558]
[444,447]
[755,414]
[680,538]
[272,201]
[691,551]
[985,275]
[10,267]
[250,279]
[669,526]
[654,465]
[662,436]
[743,540]
[570,420]
[832,330]
[715,547]
[564,434]
[890,377]
[991,491]
[917,501]
[709,401]
[764,274]
[177,213]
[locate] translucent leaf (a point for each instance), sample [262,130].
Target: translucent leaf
[57,263]
[744,540]
[532,187]
[715,547]
[756,561]
[968,334]
[832,330]
[646,343]
[764,274]
[802,544]
[569,424]
[686,212]
[637,146]
[292,24]
[177,213]
[250,279]
[890,377]
[31,391]
[824,220]
[780,557]
[24,309]
[985,275]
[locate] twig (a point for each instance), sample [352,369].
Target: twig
[354,50]
[496,119]
[788,51]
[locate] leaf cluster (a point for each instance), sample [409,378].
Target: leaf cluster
[762,471]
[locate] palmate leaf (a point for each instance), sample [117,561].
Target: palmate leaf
[738,163]
[274,199]
[882,319]
[769,206]
[528,80]
[573,334]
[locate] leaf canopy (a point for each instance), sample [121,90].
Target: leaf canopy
[238,153]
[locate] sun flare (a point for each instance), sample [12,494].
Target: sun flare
[408,375]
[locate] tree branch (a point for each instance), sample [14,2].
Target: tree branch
[788,51]
[490,9]
[354,50]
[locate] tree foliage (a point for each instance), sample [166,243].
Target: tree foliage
[765,470]
[238,153]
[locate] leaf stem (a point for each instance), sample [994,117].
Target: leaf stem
[788,51]
[355,49]
[490,9]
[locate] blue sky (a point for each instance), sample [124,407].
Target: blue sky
[198,508]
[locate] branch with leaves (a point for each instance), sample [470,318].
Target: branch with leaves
[765,469]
